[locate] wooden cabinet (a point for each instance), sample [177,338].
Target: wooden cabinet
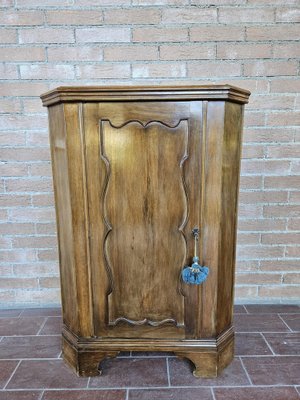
[135,170]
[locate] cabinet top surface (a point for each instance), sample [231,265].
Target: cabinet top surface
[135,93]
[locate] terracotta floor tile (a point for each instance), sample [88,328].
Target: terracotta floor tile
[277,370]
[272,308]
[42,312]
[6,370]
[10,313]
[44,374]
[259,323]
[181,375]
[171,394]
[132,372]
[53,326]
[85,395]
[284,343]
[20,326]
[269,393]
[20,395]
[250,344]
[239,309]
[293,321]
[30,347]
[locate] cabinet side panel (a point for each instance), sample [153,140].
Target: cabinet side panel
[77,182]
[230,186]
[211,212]
[63,215]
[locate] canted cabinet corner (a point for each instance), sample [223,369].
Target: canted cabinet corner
[146,186]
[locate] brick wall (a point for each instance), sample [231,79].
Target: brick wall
[250,43]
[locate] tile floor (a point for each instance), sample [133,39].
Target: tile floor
[266,366]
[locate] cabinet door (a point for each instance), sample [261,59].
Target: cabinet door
[143,172]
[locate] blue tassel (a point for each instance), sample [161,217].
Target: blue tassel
[196,274]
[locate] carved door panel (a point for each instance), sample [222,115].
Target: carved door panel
[143,169]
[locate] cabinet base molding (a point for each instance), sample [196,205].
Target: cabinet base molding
[209,356]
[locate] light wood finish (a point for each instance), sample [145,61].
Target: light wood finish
[135,170]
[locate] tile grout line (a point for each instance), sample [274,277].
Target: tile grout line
[12,375]
[246,372]
[168,372]
[213,393]
[127,394]
[247,312]
[42,395]
[42,326]
[285,323]
[88,382]
[267,343]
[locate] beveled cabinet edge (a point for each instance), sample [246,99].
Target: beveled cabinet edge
[146,93]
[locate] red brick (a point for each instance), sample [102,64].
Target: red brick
[245,292]
[29,214]
[35,269]
[213,69]
[258,279]
[130,53]
[74,17]
[295,167]
[37,139]
[253,151]
[250,210]
[22,121]
[271,102]
[18,283]
[284,151]
[46,35]
[159,70]
[287,85]
[9,200]
[8,36]
[16,256]
[266,167]
[159,2]
[46,229]
[33,106]
[8,71]
[22,54]
[29,185]
[102,34]
[79,54]
[35,242]
[47,255]
[273,32]
[19,229]
[284,118]
[294,224]
[280,238]
[40,169]
[251,182]
[255,118]
[285,14]
[5,242]
[159,35]
[102,2]
[282,182]
[6,3]
[258,252]
[21,18]
[227,15]
[9,106]
[294,197]
[43,200]
[268,135]
[262,224]
[279,265]
[187,52]
[238,51]
[247,266]
[19,139]
[104,71]
[25,154]
[217,33]
[286,50]
[23,89]
[270,292]
[267,2]
[189,15]
[270,68]
[293,251]
[47,71]
[49,282]
[266,196]
[282,211]
[140,16]
[248,238]
[291,278]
